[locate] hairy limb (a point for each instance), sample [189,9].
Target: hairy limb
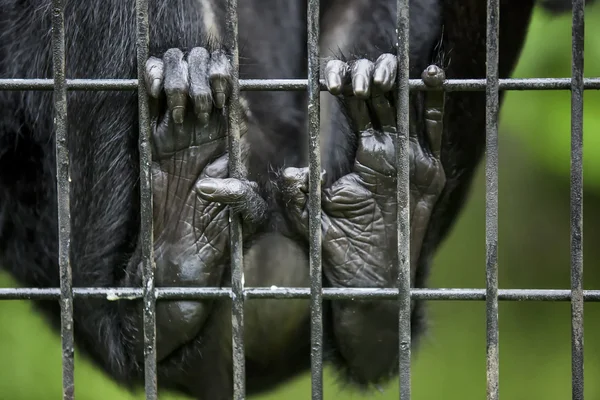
[103,137]
[359,210]
[191,188]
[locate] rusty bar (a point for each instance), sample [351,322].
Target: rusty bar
[278,85]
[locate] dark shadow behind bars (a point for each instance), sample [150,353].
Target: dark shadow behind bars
[492,84]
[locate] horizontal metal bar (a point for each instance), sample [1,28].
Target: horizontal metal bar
[174,293]
[451,85]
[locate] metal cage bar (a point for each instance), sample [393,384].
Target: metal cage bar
[314,202]
[316,293]
[63,192]
[147,240]
[577,200]
[188,293]
[491,199]
[235,227]
[450,85]
[403,197]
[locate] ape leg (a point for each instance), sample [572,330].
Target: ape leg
[359,210]
[191,191]
[103,137]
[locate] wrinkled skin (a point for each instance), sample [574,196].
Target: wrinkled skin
[191,187]
[359,210]
[192,191]
[359,233]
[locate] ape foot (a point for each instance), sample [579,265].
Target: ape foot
[191,187]
[359,209]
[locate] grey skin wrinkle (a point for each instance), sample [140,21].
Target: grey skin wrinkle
[359,209]
[358,198]
[191,226]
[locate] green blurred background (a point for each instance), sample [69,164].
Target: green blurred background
[535,345]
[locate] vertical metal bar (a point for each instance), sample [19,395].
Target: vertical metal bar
[150,370]
[314,202]
[403,198]
[491,197]
[63,197]
[235,228]
[577,200]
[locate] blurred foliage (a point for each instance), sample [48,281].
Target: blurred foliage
[534,253]
[543,119]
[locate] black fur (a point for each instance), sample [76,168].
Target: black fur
[103,131]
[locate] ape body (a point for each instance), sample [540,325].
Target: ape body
[194,339]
